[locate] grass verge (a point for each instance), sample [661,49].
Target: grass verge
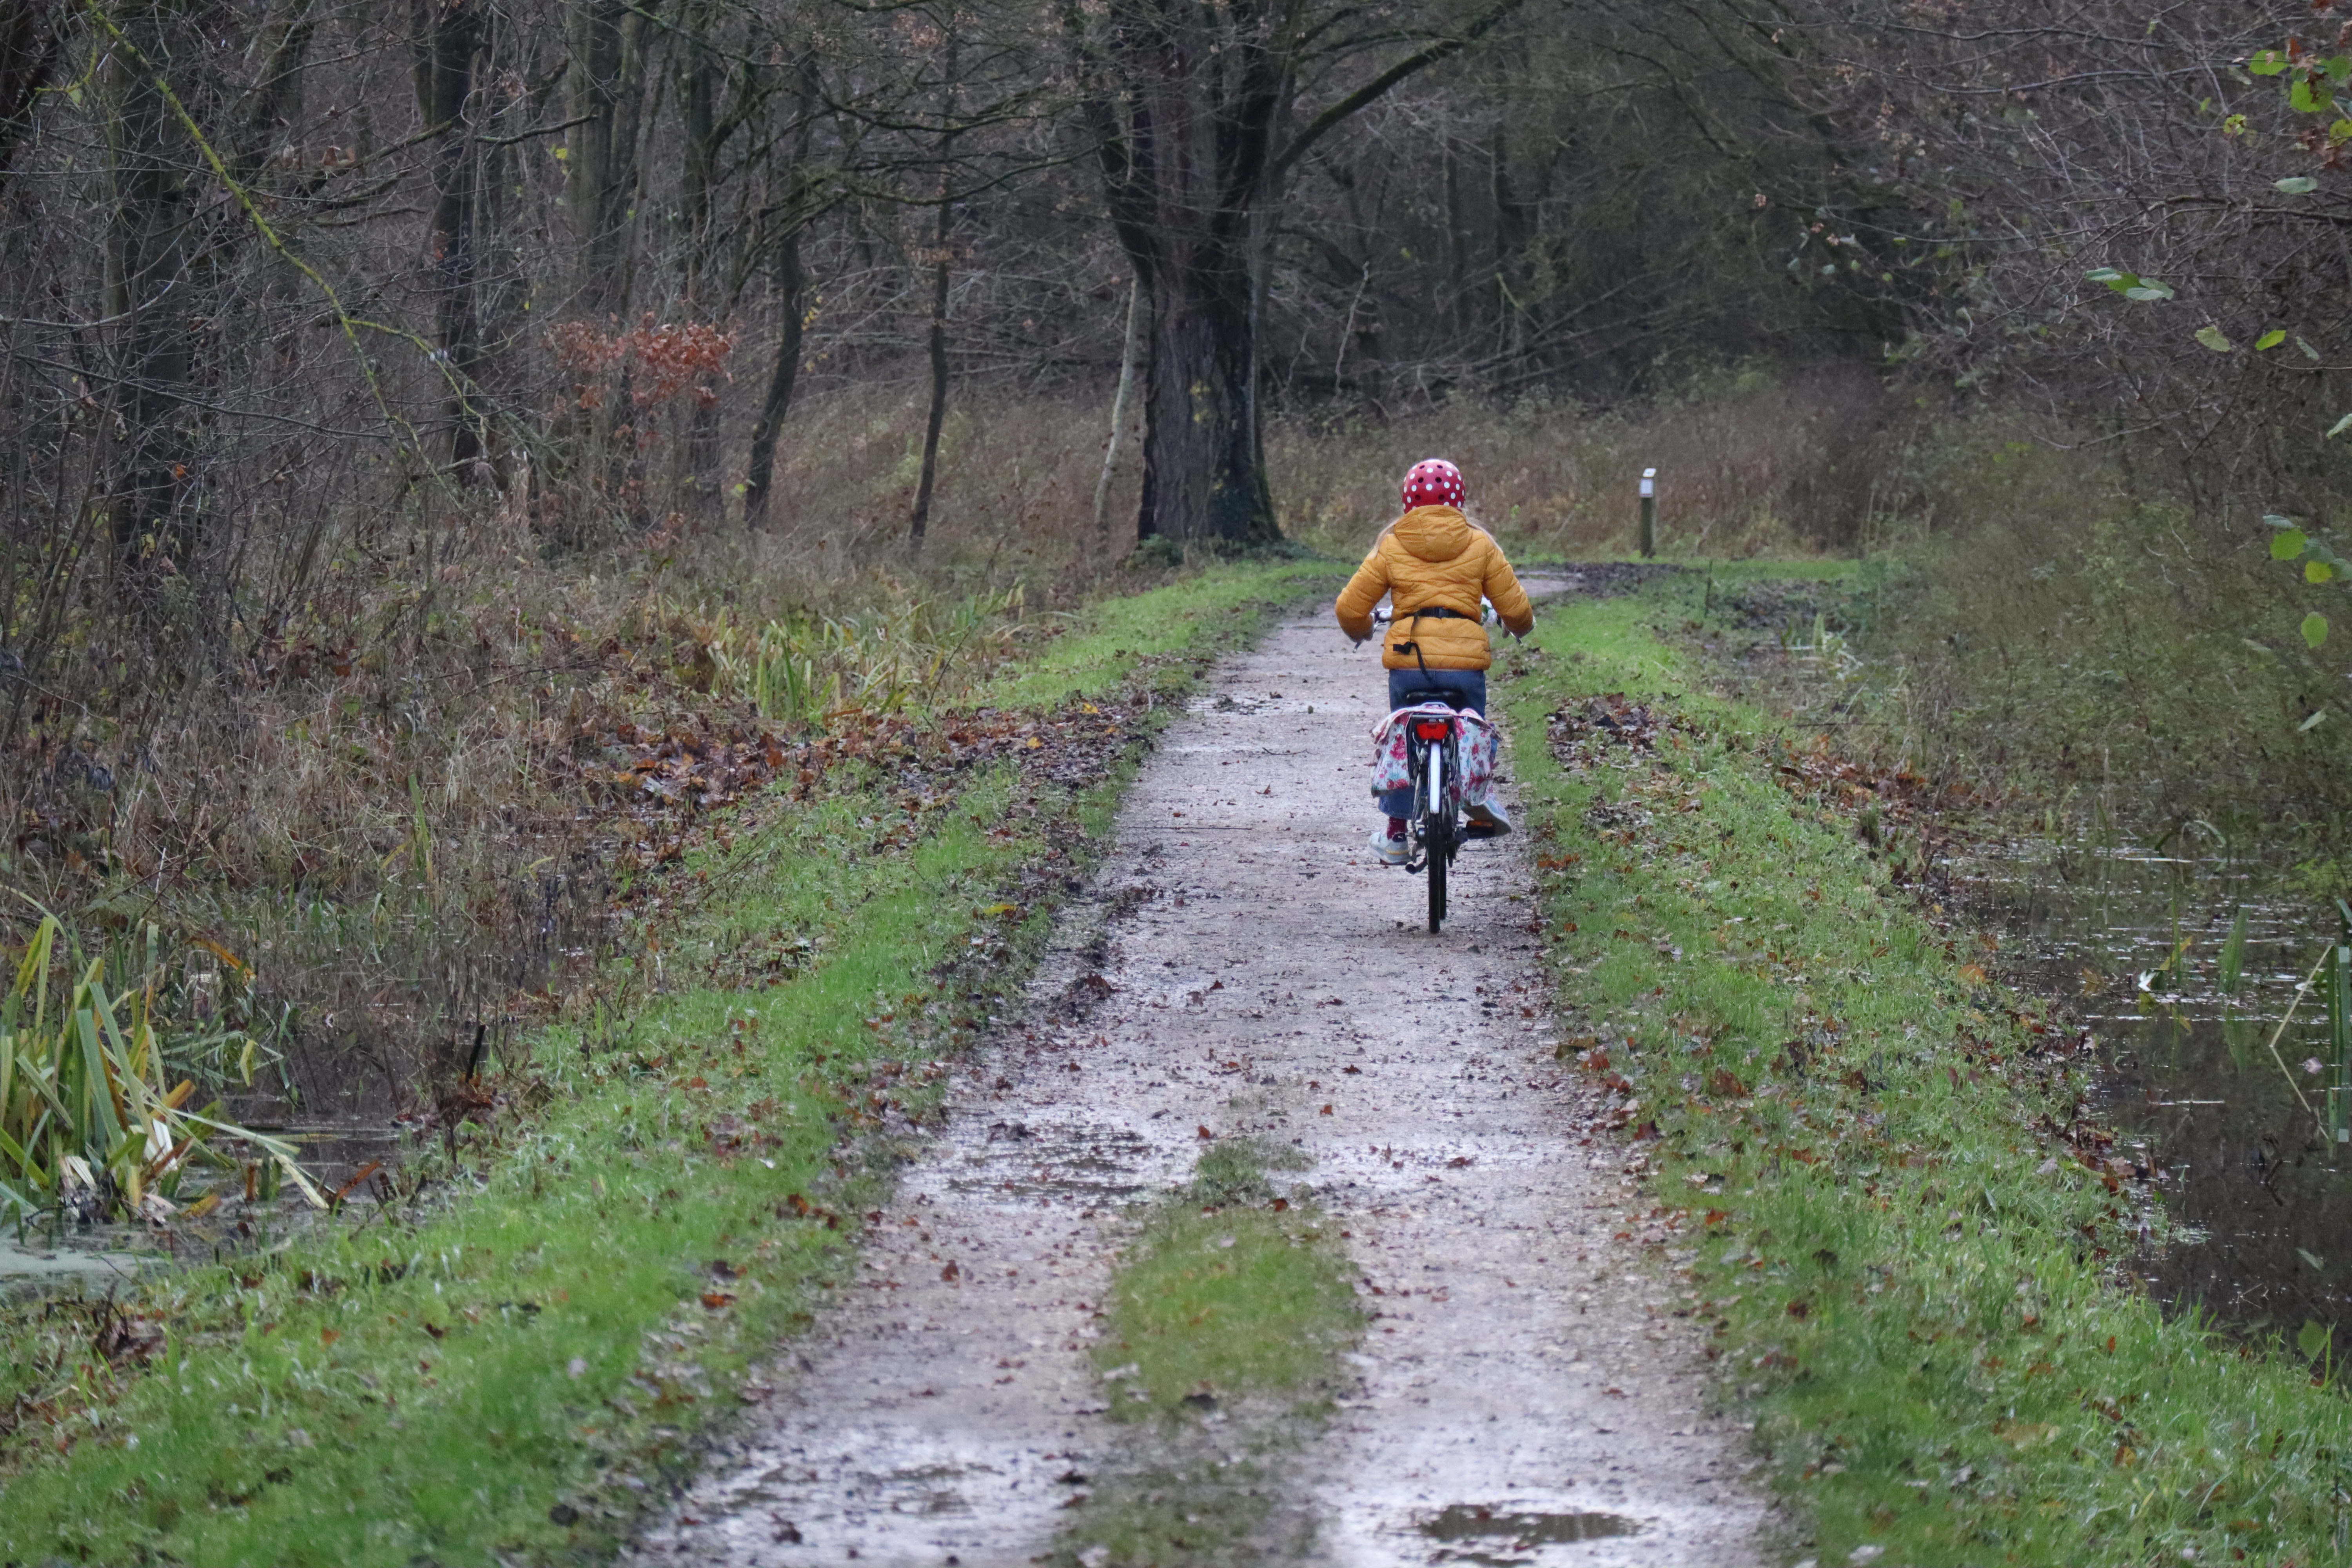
[1225,1324]
[1863,1159]
[512,1374]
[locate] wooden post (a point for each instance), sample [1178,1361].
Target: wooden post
[1649,512]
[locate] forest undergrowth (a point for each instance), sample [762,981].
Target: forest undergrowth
[1870,1166]
[509,1355]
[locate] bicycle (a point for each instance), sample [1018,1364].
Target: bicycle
[1434,753]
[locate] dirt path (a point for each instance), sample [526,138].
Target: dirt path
[1241,966]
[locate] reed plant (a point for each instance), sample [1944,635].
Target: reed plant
[89,1118]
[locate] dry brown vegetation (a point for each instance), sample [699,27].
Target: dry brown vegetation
[1747,463]
[375,823]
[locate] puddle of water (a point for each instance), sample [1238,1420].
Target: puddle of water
[44,1263]
[1017,1160]
[60,1255]
[1512,1531]
[2260,1208]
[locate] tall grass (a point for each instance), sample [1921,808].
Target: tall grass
[909,653]
[2074,623]
[1749,463]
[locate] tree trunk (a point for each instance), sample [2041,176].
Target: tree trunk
[792,285]
[148,281]
[1126,355]
[444,82]
[940,277]
[607,97]
[1204,473]
[697,107]
[1189,107]
[943,261]
[29,41]
[276,98]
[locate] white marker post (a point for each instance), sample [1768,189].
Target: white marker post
[1649,512]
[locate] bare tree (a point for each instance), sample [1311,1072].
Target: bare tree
[450,38]
[30,42]
[1192,111]
[942,260]
[151,289]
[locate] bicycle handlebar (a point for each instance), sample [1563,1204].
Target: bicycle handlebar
[1386,614]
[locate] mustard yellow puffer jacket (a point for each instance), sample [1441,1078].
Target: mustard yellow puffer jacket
[1434,558]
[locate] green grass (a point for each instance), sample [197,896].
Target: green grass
[1848,1132]
[508,1374]
[1188,622]
[1223,1296]
[1225,1324]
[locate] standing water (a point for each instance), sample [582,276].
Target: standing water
[2184,973]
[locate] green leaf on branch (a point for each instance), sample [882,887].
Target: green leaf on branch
[2148,289]
[2312,1338]
[2271,339]
[2309,352]
[2318,572]
[2315,629]
[2269,62]
[2340,426]
[2309,97]
[2305,727]
[2296,184]
[2111,278]
[2212,338]
[2337,67]
[2287,544]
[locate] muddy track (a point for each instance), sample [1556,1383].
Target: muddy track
[1240,966]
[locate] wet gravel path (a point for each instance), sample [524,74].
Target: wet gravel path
[1242,966]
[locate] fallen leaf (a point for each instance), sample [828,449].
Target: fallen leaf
[951,1274]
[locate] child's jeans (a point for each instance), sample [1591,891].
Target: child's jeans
[1463,689]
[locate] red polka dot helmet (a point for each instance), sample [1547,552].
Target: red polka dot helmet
[1433,482]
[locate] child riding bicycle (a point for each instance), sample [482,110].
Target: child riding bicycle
[1436,566]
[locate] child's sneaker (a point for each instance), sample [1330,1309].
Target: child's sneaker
[1487,818]
[1388,844]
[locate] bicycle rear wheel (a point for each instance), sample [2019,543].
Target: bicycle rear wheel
[1439,853]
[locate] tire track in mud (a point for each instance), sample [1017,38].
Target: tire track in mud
[1242,966]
